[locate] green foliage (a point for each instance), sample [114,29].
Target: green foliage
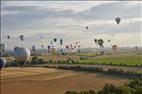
[133,87]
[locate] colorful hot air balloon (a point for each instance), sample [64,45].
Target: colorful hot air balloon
[22,55]
[117,20]
[100,42]
[21,37]
[114,47]
[2,62]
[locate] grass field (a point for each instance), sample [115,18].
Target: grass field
[117,60]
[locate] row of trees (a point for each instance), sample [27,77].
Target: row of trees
[111,71]
[133,87]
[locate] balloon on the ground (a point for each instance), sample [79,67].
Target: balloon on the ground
[100,42]
[22,55]
[21,37]
[117,20]
[2,62]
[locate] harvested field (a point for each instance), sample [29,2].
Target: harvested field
[32,80]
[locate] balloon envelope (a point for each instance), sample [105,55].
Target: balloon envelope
[21,37]
[8,36]
[55,39]
[34,48]
[114,47]
[100,42]
[117,19]
[2,48]
[61,41]
[2,62]
[22,54]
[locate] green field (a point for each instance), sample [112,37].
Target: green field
[116,60]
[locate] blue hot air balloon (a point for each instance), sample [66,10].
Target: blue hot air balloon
[2,62]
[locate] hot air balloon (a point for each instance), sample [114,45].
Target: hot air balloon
[108,40]
[67,47]
[8,37]
[34,48]
[21,37]
[41,37]
[100,42]
[114,47]
[96,41]
[61,41]
[117,20]
[42,46]
[22,55]
[55,39]
[49,48]
[3,47]
[2,62]
[136,48]
[86,27]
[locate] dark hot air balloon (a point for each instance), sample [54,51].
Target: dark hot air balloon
[100,42]
[87,27]
[61,41]
[8,37]
[117,20]
[55,39]
[96,41]
[108,40]
[21,37]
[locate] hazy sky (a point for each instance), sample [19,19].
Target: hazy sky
[68,19]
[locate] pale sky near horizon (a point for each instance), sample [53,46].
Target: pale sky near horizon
[68,19]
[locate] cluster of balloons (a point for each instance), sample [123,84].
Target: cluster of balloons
[73,46]
[99,42]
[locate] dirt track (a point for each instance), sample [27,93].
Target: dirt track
[51,81]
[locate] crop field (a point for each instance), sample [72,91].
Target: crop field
[116,60]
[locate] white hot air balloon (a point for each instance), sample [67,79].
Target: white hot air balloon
[2,62]
[22,55]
